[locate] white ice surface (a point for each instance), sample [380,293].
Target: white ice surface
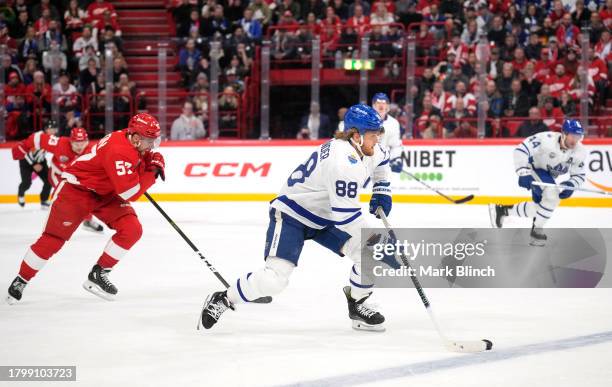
[148,338]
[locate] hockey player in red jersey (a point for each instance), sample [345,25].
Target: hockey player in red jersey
[64,151]
[103,182]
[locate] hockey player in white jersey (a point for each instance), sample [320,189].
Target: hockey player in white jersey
[391,139]
[544,157]
[320,202]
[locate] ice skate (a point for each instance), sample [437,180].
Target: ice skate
[21,201]
[44,205]
[92,225]
[98,283]
[498,214]
[538,238]
[15,291]
[213,308]
[363,317]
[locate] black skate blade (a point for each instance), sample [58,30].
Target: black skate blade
[263,300]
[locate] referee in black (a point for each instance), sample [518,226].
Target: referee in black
[36,161]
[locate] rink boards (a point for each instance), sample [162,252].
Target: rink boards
[255,171]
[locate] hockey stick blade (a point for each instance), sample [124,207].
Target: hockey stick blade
[453,346]
[465,199]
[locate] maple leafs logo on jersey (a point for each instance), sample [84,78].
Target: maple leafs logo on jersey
[352,159]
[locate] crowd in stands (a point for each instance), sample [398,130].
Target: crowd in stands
[55,50]
[533,70]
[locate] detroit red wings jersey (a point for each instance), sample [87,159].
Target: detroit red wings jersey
[112,166]
[59,147]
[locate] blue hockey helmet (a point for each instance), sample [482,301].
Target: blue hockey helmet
[380,97]
[573,127]
[363,118]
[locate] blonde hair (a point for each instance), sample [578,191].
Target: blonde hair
[346,134]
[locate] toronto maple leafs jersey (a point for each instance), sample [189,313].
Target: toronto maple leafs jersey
[325,189]
[543,151]
[391,139]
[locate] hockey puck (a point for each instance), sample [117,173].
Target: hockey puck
[489,344]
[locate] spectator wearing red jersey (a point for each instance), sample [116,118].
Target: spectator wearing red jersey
[42,24]
[603,48]
[67,95]
[5,38]
[575,89]
[331,20]
[13,88]
[439,97]
[389,5]
[312,24]
[606,14]
[423,112]
[95,11]
[459,121]
[544,66]
[381,17]
[557,12]
[288,22]
[459,48]
[551,116]
[107,20]
[598,72]
[520,61]
[558,82]
[359,21]
[567,32]
[469,100]
[39,91]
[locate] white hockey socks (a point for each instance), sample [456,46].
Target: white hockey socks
[361,286]
[269,281]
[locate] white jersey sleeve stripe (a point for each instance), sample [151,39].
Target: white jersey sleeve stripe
[37,140]
[130,192]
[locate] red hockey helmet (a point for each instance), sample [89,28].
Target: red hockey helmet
[144,124]
[78,134]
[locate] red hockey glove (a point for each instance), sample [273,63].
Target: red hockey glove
[155,161]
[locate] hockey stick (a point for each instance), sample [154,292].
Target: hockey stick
[564,187]
[451,345]
[262,300]
[458,201]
